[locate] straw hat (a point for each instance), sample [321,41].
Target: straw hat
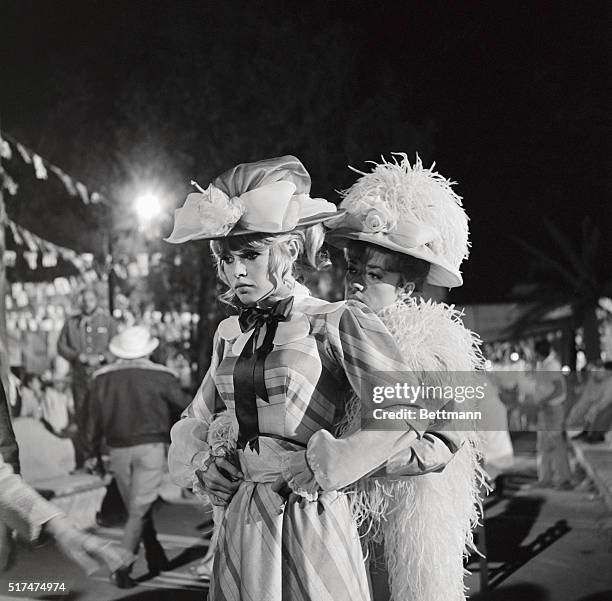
[270,196]
[408,209]
[133,343]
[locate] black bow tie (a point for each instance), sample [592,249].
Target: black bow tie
[249,370]
[256,317]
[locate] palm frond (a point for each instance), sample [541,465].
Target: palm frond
[591,246]
[531,317]
[547,261]
[582,269]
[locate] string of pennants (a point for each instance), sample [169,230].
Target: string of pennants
[35,245]
[49,252]
[10,147]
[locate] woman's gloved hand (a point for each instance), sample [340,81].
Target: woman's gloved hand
[89,551]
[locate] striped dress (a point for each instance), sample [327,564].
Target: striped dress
[304,547]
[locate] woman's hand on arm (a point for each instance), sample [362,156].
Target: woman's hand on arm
[431,453]
[371,361]
[339,462]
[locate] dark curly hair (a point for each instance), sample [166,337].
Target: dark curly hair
[410,268]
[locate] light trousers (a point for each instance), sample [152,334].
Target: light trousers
[138,470]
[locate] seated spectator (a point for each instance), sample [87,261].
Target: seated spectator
[31,396]
[58,407]
[43,454]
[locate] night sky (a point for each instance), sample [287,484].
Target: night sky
[508,99]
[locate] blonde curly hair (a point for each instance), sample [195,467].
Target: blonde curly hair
[281,264]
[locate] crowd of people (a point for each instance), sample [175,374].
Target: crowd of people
[117,403]
[314,498]
[559,404]
[57,396]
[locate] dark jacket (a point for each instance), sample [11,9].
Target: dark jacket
[131,403]
[89,334]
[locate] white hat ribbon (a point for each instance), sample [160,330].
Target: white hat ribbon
[271,208]
[407,233]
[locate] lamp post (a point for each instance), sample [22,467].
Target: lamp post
[110,267]
[144,208]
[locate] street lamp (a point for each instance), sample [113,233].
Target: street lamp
[148,206]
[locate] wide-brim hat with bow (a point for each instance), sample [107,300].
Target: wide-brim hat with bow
[270,196]
[133,343]
[408,209]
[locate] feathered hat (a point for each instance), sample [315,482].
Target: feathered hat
[408,209]
[270,196]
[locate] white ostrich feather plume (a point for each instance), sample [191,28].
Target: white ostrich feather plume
[413,193]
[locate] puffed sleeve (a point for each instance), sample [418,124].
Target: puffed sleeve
[188,447]
[431,453]
[21,507]
[368,355]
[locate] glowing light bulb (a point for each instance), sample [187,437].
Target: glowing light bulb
[147,206]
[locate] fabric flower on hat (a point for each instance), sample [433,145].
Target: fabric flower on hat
[270,196]
[380,219]
[410,209]
[217,212]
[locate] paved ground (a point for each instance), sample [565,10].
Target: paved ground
[545,545]
[548,546]
[597,461]
[541,546]
[183,532]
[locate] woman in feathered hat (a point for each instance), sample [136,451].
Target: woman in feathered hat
[283,369]
[403,226]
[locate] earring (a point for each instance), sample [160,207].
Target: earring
[405,292]
[324,261]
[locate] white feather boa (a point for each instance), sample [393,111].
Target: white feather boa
[427,521]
